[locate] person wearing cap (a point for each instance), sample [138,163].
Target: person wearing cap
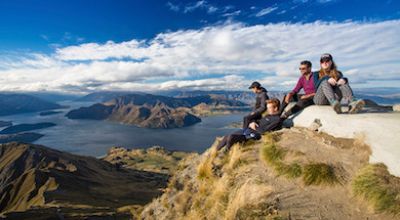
[259,106]
[305,82]
[271,122]
[331,87]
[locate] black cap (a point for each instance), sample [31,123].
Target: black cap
[326,57]
[255,85]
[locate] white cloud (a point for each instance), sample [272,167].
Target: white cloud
[212,9]
[266,11]
[173,7]
[227,56]
[202,4]
[317,1]
[194,6]
[232,14]
[325,1]
[281,12]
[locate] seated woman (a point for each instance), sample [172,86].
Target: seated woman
[305,82]
[332,87]
[259,106]
[269,123]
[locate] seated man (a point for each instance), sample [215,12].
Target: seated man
[269,123]
[305,82]
[259,106]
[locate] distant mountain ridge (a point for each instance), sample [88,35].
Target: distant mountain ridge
[246,97]
[152,111]
[103,96]
[20,103]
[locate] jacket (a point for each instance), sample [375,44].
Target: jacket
[260,105]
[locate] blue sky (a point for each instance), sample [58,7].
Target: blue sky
[82,46]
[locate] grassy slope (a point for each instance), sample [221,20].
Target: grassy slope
[295,174]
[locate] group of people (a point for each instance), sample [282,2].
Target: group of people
[326,86]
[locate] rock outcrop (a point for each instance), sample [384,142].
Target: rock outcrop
[379,130]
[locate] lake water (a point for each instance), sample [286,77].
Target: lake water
[94,138]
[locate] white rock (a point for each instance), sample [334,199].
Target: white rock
[396,108]
[381,131]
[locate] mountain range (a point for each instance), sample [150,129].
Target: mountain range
[154,111]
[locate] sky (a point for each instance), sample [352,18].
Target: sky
[150,45]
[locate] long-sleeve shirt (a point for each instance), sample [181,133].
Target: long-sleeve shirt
[307,85]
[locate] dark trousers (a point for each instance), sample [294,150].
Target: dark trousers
[250,118]
[230,140]
[300,105]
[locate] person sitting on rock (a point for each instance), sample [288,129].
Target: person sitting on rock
[259,106]
[331,87]
[305,82]
[271,122]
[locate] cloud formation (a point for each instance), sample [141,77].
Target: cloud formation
[266,11]
[227,56]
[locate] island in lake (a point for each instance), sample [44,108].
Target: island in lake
[49,113]
[26,127]
[27,137]
[5,123]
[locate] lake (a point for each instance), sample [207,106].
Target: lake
[94,138]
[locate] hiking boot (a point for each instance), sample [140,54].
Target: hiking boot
[356,106]
[337,107]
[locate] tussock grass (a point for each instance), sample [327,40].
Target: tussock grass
[236,158]
[293,170]
[248,200]
[274,156]
[381,189]
[319,174]
[204,170]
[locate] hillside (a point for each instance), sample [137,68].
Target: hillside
[282,176]
[154,159]
[57,184]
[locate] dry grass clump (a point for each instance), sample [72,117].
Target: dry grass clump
[250,201]
[319,174]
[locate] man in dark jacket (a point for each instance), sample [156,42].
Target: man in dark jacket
[271,122]
[259,106]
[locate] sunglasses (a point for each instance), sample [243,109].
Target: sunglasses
[325,60]
[302,68]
